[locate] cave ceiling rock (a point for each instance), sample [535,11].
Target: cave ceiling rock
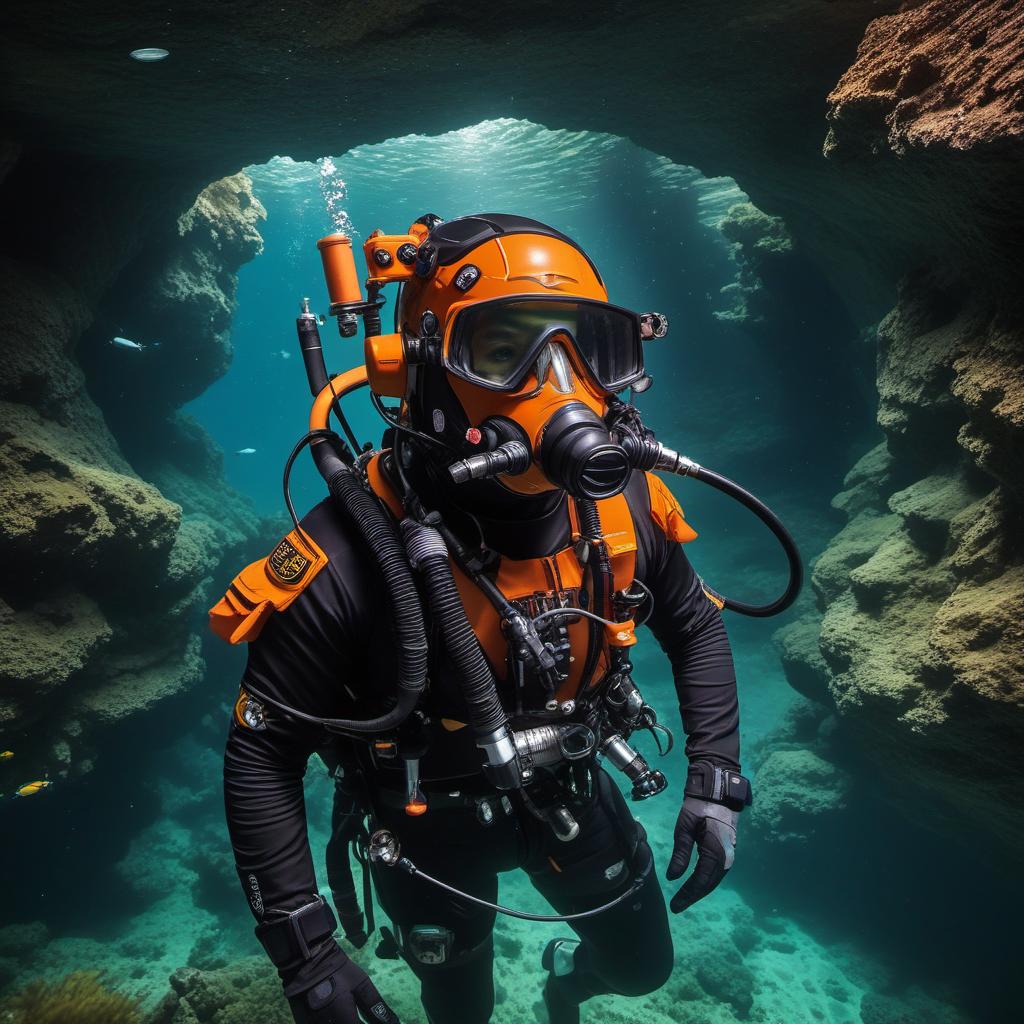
[250,81]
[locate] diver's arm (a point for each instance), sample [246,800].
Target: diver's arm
[689,628]
[298,660]
[266,814]
[263,773]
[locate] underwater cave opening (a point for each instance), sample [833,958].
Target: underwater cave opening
[764,376]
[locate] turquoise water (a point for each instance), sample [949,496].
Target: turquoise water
[159,890]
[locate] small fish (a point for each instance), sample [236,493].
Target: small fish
[126,343]
[246,451]
[31,788]
[6,755]
[285,354]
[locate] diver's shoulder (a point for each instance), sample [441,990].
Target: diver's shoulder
[656,510]
[347,559]
[330,529]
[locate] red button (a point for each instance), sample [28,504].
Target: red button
[474,436]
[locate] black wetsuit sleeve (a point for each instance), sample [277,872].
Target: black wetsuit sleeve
[689,628]
[266,812]
[302,658]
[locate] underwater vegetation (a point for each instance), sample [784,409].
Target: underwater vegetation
[79,998]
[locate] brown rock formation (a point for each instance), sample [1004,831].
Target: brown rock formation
[922,592]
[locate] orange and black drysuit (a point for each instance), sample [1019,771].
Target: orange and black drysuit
[329,651]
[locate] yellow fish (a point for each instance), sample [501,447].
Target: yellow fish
[6,755]
[31,788]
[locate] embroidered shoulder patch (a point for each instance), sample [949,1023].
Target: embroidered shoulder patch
[266,586]
[287,563]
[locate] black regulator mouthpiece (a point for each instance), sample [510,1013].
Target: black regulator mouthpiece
[504,451]
[577,454]
[511,457]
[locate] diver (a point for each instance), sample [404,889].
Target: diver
[452,630]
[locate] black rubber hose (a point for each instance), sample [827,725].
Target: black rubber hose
[428,552]
[590,527]
[782,535]
[386,548]
[381,540]
[649,454]
[379,534]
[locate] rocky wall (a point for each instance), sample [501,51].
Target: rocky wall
[114,517]
[917,639]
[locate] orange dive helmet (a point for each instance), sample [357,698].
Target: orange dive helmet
[508,352]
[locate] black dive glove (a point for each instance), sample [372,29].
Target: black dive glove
[322,985]
[709,816]
[345,997]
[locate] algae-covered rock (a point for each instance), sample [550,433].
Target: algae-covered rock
[49,641]
[114,515]
[726,979]
[866,482]
[244,992]
[801,657]
[757,233]
[796,790]
[225,217]
[922,591]
[760,242]
[851,547]
[136,678]
[69,500]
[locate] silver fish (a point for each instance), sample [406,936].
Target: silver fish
[246,451]
[126,343]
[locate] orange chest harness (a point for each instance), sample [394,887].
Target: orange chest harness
[564,579]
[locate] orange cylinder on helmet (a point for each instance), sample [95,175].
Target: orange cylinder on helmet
[507,337]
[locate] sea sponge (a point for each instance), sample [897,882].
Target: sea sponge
[80,998]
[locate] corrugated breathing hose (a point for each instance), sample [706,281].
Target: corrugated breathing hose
[386,549]
[428,554]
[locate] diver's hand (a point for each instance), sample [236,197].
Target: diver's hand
[712,826]
[345,997]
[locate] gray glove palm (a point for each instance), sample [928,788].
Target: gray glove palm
[712,827]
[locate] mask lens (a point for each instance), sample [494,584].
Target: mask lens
[608,340]
[497,342]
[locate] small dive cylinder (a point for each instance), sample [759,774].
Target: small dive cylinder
[312,349]
[342,281]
